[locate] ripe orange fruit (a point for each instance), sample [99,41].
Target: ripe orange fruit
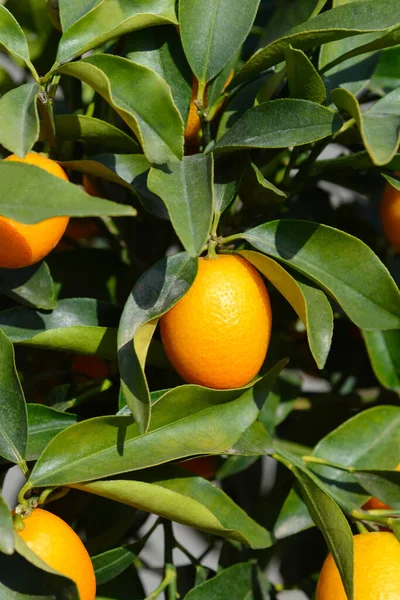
[53,540]
[217,335]
[205,466]
[376,570]
[376,504]
[193,122]
[390,215]
[22,245]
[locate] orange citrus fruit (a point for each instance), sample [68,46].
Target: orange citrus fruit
[23,244]
[217,335]
[390,215]
[376,504]
[376,570]
[53,540]
[205,466]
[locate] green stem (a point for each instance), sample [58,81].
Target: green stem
[363,515]
[51,494]
[230,238]
[170,577]
[46,110]
[170,571]
[24,468]
[327,463]
[23,491]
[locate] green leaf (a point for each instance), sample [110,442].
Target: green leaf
[154,293]
[384,353]
[44,423]
[112,563]
[228,174]
[13,417]
[142,99]
[183,424]
[31,194]
[32,17]
[212,40]
[370,439]
[255,441]
[293,517]
[349,20]
[32,286]
[184,498]
[341,264]
[81,325]
[280,123]
[73,11]
[310,303]
[81,128]
[106,21]
[331,521]
[303,78]
[234,582]
[187,190]
[160,49]
[6,528]
[379,126]
[12,38]
[19,119]
[387,72]
[267,184]
[287,15]
[384,485]
[24,576]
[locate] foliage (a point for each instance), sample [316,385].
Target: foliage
[291,160]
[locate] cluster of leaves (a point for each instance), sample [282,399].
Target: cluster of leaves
[112,104]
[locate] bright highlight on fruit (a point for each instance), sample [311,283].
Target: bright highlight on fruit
[22,245]
[376,570]
[390,215]
[53,540]
[217,335]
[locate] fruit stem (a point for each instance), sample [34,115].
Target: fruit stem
[364,515]
[23,491]
[230,238]
[58,493]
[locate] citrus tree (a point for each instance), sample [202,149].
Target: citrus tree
[215,165]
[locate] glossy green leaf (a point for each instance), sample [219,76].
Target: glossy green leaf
[267,184]
[106,21]
[73,11]
[81,325]
[186,188]
[382,484]
[160,49]
[280,123]
[32,17]
[310,303]
[154,293]
[24,196]
[357,161]
[369,440]
[142,99]
[293,517]
[25,577]
[341,264]
[287,15]
[183,424]
[234,582]
[379,126]
[6,528]
[111,563]
[12,38]
[186,499]
[212,40]
[387,72]
[384,353]
[81,128]
[32,286]
[228,174]
[13,417]
[256,441]
[19,119]
[303,78]
[344,21]
[331,521]
[44,423]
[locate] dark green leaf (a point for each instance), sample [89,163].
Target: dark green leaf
[187,191]
[32,286]
[310,303]
[384,353]
[44,423]
[30,194]
[255,441]
[287,15]
[154,293]
[227,177]
[19,120]
[12,38]
[142,99]
[73,11]
[33,18]
[304,80]
[267,184]
[212,40]
[341,264]
[81,325]
[379,126]
[187,499]
[384,485]
[280,123]
[387,73]
[293,517]
[110,564]
[13,417]
[6,528]
[234,582]
[86,29]
[352,19]
[81,128]
[160,49]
